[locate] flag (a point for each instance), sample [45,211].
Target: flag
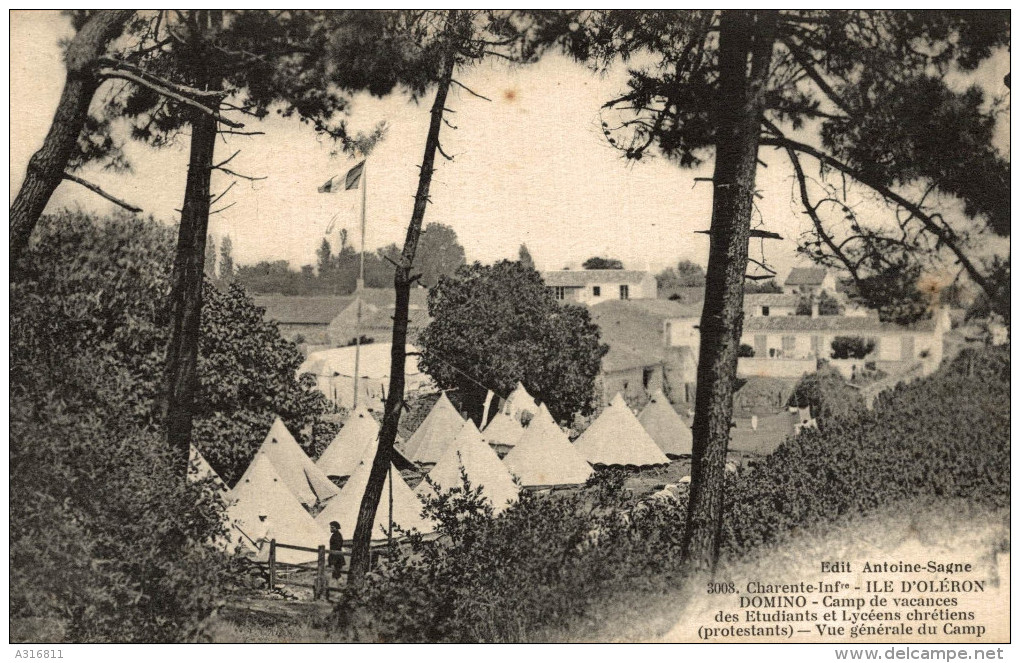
[485,409]
[351,180]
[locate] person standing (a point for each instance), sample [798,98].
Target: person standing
[336,544]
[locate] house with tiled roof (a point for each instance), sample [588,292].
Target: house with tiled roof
[307,319]
[809,281]
[640,361]
[593,286]
[377,320]
[768,304]
[790,346]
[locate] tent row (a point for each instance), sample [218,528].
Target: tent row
[272,498]
[537,451]
[269,500]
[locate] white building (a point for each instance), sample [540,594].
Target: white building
[770,304]
[592,286]
[809,281]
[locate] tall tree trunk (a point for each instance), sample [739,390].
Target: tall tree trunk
[47,165]
[402,284]
[743,36]
[181,377]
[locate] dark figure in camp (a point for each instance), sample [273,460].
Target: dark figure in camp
[336,544]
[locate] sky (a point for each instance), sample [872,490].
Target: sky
[532,166]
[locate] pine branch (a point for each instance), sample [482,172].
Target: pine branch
[469,90]
[943,234]
[95,188]
[250,178]
[167,89]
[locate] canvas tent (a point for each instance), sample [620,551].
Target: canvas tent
[666,427]
[520,402]
[481,465]
[406,505]
[503,433]
[359,437]
[544,457]
[440,426]
[334,372]
[304,479]
[261,507]
[617,438]
[199,469]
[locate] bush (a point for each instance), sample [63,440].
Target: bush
[98,288]
[852,347]
[105,537]
[550,559]
[539,563]
[828,395]
[745,350]
[946,436]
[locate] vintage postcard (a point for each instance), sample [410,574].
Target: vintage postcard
[511,326]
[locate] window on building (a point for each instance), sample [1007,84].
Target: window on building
[646,377]
[624,292]
[596,291]
[560,292]
[789,344]
[765,311]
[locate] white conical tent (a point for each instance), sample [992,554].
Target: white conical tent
[666,427]
[481,465]
[503,431]
[616,437]
[406,505]
[199,469]
[358,438]
[438,429]
[519,402]
[304,479]
[261,507]
[544,457]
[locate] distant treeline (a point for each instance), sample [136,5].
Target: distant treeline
[336,273]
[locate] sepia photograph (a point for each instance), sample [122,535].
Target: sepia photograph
[510,326]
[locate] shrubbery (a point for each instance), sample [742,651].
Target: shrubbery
[547,559]
[108,542]
[98,288]
[540,562]
[852,347]
[946,436]
[828,395]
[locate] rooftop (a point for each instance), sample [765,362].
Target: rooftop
[806,276]
[317,310]
[771,299]
[578,278]
[832,323]
[321,309]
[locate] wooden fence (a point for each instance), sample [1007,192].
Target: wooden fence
[323,572]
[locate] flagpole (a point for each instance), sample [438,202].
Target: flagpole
[361,282]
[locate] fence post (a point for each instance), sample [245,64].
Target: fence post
[321,583]
[272,564]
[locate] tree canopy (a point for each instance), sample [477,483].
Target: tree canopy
[597,262]
[687,274]
[863,96]
[107,306]
[494,326]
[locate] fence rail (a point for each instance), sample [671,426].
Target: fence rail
[320,587]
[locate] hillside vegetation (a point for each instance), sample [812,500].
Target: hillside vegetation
[556,560]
